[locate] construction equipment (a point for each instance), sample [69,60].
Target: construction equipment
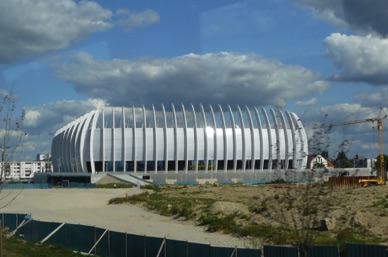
[381,175]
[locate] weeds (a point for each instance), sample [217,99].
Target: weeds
[171,206]
[266,217]
[15,247]
[115,185]
[139,198]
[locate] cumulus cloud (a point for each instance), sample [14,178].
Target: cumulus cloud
[209,78]
[367,16]
[372,98]
[362,59]
[34,27]
[28,27]
[40,124]
[52,116]
[361,16]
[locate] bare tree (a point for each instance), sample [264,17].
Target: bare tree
[11,134]
[301,209]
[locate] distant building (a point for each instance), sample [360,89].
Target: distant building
[318,161]
[186,141]
[24,171]
[43,157]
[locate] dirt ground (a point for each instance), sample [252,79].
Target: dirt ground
[363,208]
[90,207]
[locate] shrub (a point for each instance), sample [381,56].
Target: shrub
[131,199]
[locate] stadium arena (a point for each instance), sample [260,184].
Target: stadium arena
[190,141]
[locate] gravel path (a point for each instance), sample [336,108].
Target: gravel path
[89,207]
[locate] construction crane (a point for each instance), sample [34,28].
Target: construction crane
[381,178]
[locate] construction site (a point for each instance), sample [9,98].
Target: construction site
[245,209]
[362,179]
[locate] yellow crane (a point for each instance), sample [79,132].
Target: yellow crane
[381,176]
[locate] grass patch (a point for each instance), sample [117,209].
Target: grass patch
[114,185]
[16,247]
[153,187]
[215,223]
[167,206]
[139,198]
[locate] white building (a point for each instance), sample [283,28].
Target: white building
[186,141]
[24,171]
[319,161]
[43,157]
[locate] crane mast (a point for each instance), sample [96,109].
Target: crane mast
[381,166]
[381,176]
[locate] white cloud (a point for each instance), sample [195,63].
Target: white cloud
[362,59]
[50,117]
[310,102]
[209,78]
[31,117]
[29,27]
[369,17]
[131,19]
[40,124]
[40,26]
[373,98]
[328,10]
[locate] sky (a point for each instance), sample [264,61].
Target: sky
[325,60]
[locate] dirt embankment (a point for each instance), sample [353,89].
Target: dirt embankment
[362,209]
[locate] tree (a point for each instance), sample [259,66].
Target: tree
[11,133]
[342,161]
[325,154]
[11,136]
[300,211]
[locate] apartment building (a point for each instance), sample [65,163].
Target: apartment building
[23,171]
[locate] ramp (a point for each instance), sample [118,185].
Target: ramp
[129,178]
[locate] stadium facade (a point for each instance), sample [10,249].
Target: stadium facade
[188,140]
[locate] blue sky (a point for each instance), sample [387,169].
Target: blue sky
[325,60]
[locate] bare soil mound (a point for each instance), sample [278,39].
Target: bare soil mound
[359,210]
